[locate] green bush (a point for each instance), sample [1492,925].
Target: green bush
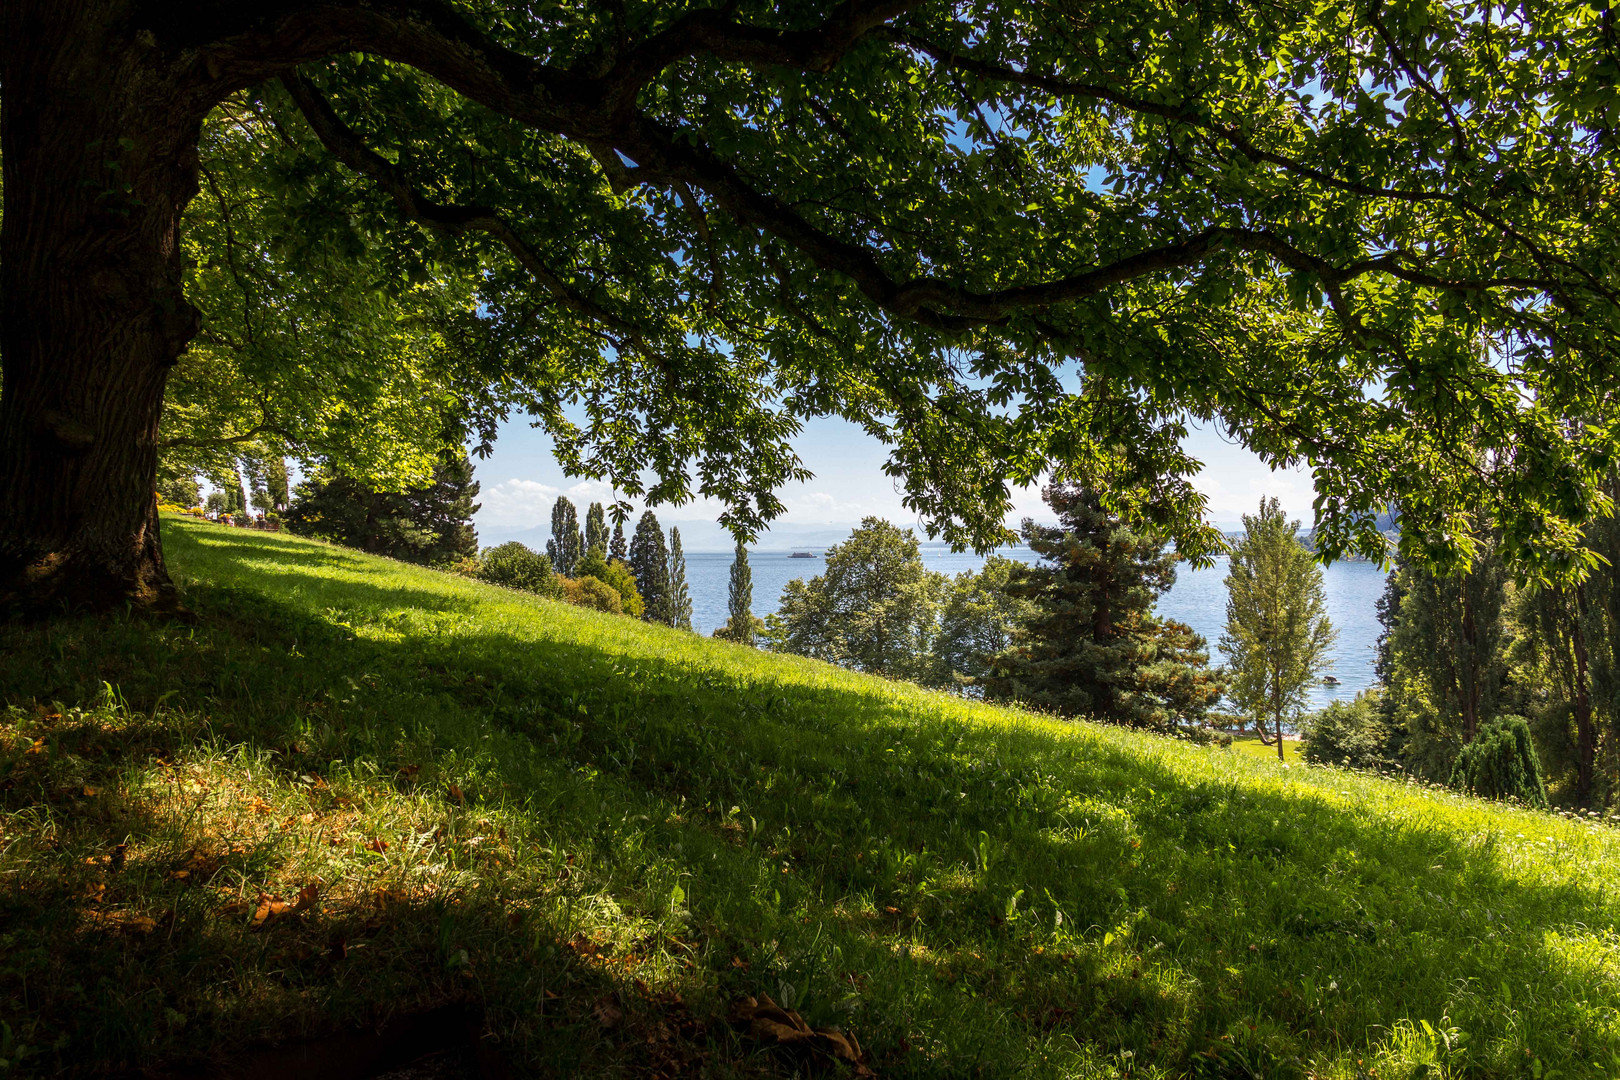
[615,573]
[516,567]
[592,593]
[1501,763]
[1349,733]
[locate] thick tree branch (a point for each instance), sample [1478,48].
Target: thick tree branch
[348,148]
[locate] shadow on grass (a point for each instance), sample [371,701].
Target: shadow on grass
[675,829]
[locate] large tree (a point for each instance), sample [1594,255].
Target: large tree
[649,562]
[1278,634]
[566,544]
[873,609]
[683,229]
[430,524]
[1091,644]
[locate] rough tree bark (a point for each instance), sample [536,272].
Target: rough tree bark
[100,158]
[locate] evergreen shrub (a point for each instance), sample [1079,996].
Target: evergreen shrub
[1501,763]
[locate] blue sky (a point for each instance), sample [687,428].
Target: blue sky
[521,481]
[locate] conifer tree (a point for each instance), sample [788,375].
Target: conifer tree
[431,524]
[649,562]
[679,605]
[1092,645]
[743,625]
[596,531]
[566,545]
[617,549]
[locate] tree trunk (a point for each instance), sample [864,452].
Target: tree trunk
[1585,730]
[100,158]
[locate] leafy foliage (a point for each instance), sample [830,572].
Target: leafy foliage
[871,610]
[428,524]
[976,623]
[1350,733]
[1277,630]
[317,337]
[1091,646]
[596,530]
[741,625]
[1448,664]
[593,593]
[517,567]
[1500,763]
[928,220]
[615,573]
[181,489]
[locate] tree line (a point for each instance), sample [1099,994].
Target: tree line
[1464,661]
[1478,659]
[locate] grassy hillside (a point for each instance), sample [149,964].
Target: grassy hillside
[355,788]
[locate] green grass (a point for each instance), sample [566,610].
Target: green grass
[604,832]
[1251,746]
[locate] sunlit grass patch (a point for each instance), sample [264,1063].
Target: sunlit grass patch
[356,787]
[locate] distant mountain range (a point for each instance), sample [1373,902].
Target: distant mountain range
[706,536]
[695,536]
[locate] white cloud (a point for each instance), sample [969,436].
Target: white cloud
[517,503]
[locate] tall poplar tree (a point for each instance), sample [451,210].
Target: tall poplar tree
[649,562]
[1277,630]
[566,545]
[742,625]
[678,608]
[596,530]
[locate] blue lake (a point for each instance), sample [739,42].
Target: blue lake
[1198,599]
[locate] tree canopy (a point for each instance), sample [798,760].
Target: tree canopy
[1008,239]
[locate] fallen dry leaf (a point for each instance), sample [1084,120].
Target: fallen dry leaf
[90,792]
[261,807]
[766,1021]
[270,908]
[376,844]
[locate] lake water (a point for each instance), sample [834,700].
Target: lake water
[1198,599]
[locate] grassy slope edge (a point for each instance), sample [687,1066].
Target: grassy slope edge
[604,831]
